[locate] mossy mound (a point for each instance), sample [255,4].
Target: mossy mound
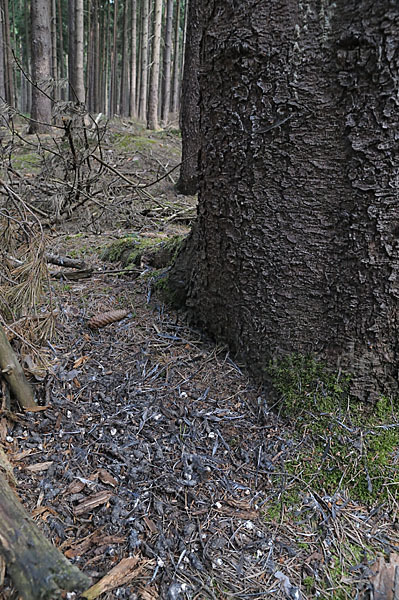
[347,447]
[134,250]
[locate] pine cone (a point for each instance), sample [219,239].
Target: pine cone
[106,318]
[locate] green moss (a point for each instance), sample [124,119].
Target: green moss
[27,162]
[157,252]
[115,251]
[348,448]
[131,142]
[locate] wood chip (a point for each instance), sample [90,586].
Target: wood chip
[107,478]
[92,502]
[39,467]
[120,575]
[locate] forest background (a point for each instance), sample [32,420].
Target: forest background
[121,57]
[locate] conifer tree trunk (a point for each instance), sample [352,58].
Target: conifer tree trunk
[9,82]
[2,78]
[190,113]
[124,90]
[113,108]
[295,249]
[144,60]
[61,57]
[27,59]
[96,60]
[54,73]
[71,51]
[167,64]
[176,62]
[41,65]
[152,120]
[133,58]
[79,52]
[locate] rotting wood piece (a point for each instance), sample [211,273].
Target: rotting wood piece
[65,261]
[12,372]
[37,568]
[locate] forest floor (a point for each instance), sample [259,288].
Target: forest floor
[153,442]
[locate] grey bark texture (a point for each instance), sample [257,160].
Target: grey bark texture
[71,50]
[190,112]
[144,60]
[167,64]
[296,244]
[133,58]
[176,61]
[41,65]
[152,117]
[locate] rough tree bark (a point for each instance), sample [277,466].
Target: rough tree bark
[296,244]
[41,65]
[190,113]
[38,569]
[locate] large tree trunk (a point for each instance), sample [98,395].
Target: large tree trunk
[296,244]
[190,113]
[41,65]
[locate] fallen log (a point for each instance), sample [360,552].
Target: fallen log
[12,372]
[38,570]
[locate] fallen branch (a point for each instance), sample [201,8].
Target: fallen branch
[38,569]
[13,374]
[65,261]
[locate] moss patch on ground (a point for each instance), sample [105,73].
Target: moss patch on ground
[347,447]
